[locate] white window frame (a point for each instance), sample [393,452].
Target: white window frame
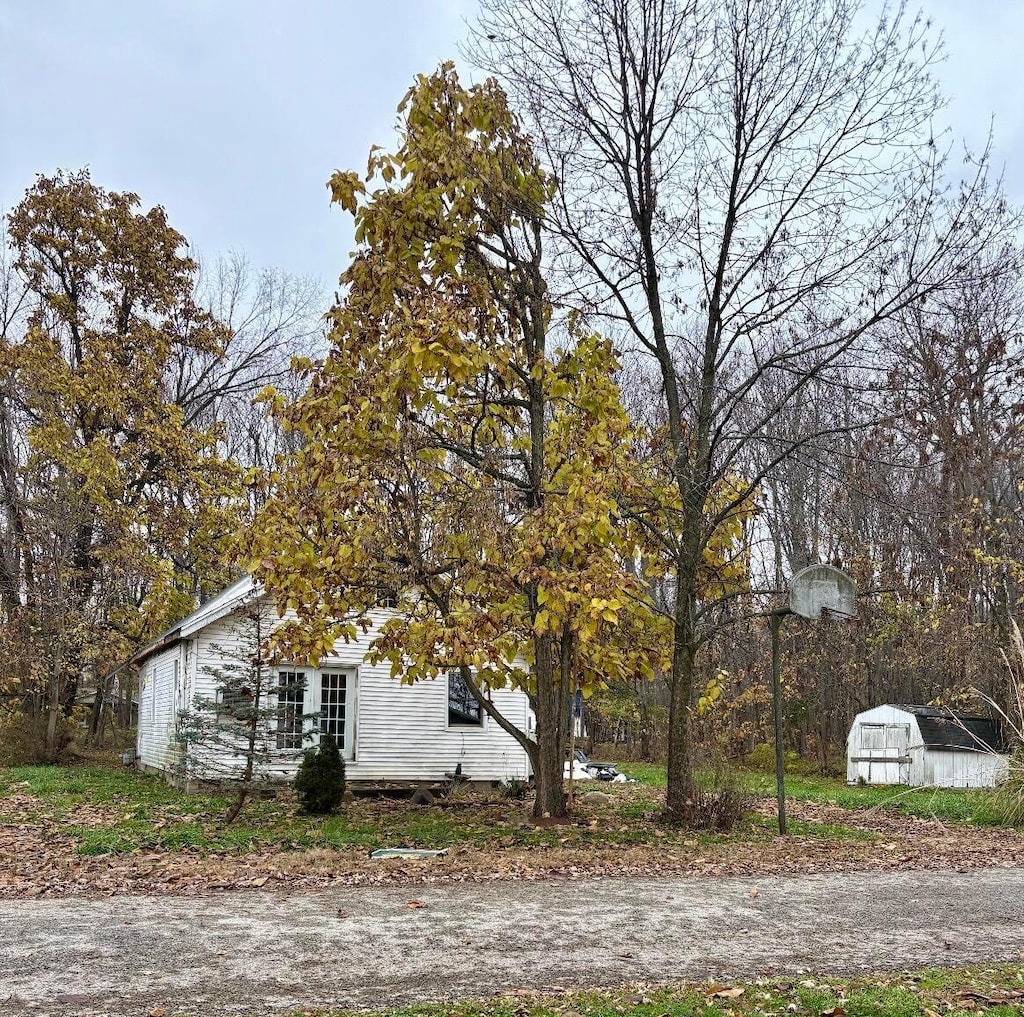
[467,727]
[303,709]
[311,703]
[351,675]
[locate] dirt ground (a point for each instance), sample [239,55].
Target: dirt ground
[258,952]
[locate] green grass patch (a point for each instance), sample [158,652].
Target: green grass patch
[116,811]
[955,992]
[955,805]
[979,806]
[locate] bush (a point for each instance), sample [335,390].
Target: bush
[515,789]
[721,803]
[762,759]
[23,737]
[320,783]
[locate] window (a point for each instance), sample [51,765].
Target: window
[463,709]
[872,736]
[234,707]
[291,697]
[333,705]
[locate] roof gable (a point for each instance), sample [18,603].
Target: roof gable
[213,610]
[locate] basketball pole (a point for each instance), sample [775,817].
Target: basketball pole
[775,620]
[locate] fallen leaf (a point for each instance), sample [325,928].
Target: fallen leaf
[727,992]
[832,1011]
[753,892]
[416,904]
[158,1012]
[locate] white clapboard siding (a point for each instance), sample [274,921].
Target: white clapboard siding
[964,769]
[159,701]
[400,732]
[886,746]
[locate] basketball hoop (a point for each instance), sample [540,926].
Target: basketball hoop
[816,592]
[822,592]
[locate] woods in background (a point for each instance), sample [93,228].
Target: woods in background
[686,297]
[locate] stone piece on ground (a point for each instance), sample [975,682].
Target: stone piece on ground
[409,853]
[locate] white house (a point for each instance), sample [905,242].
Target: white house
[387,731]
[924,745]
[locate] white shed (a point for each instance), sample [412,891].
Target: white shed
[924,746]
[387,731]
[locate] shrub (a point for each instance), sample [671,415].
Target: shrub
[320,783]
[762,759]
[515,789]
[721,803]
[23,737]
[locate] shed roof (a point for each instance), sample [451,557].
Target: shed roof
[948,731]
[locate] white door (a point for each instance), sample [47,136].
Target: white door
[334,701]
[884,754]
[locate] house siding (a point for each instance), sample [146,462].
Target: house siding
[400,732]
[160,698]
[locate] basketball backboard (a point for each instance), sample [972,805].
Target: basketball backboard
[823,592]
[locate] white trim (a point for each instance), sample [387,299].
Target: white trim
[351,685]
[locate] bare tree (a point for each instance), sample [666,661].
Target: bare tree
[749,191]
[272,317]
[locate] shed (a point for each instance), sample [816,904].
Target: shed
[387,731]
[925,746]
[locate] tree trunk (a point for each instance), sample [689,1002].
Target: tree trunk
[550,765]
[52,716]
[679,796]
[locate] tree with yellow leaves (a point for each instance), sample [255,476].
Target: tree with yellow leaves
[452,460]
[112,504]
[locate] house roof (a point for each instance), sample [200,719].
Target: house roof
[215,608]
[948,731]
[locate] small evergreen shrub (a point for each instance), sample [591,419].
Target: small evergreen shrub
[320,783]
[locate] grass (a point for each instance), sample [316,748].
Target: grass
[954,805]
[117,811]
[956,992]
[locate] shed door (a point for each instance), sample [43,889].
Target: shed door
[897,753]
[884,754]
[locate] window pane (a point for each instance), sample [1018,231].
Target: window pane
[333,690]
[463,709]
[235,707]
[291,695]
[872,736]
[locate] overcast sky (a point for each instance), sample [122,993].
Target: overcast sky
[233,113]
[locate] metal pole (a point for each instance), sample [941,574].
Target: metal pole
[780,763]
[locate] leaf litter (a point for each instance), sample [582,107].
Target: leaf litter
[40,856]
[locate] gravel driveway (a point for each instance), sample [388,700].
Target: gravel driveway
[261,953]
